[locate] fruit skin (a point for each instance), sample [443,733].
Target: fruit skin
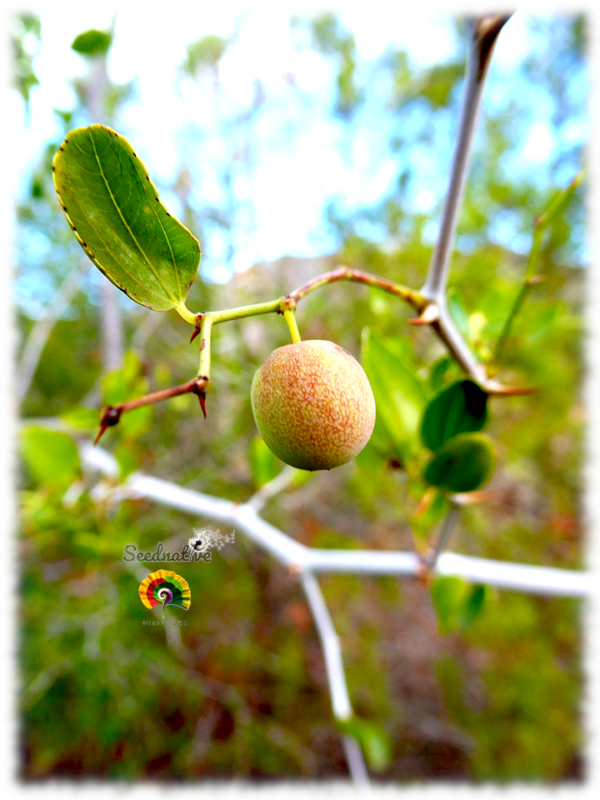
[313,404]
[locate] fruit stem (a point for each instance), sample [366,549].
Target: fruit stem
[290,317]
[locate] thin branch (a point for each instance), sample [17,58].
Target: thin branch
[547,581]
[111,415]
[340,700]
[343,273]
[484,33]
[531,277]
[441,542]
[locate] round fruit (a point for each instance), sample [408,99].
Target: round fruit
[313,405]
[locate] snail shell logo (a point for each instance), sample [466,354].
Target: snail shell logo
[165,588]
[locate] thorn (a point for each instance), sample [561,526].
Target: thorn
[475,498]
[199,318]
[424,503]
[429,314]
[110,417]
[195,333]
[199,389]
[535,279]
[100,432]
[494,388]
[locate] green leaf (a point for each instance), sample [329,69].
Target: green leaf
[460,408]
[399,394]
[113,208]
[92,42]
[439,372]
[372,738]
[456,602]
[264,465]
[51,457]
[474,605]
[463,464]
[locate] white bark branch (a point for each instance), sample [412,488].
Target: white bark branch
[549,581]
[338,690]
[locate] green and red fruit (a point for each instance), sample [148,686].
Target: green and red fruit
[313,405]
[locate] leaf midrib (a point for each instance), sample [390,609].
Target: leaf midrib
[141,250]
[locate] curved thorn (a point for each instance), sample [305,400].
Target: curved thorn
[195,333]
[497,389]
[430,314]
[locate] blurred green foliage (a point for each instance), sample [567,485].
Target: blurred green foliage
[448,682]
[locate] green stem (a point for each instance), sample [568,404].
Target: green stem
[205,346]
[541,223]
[184,312]
[290,317]
[245,311]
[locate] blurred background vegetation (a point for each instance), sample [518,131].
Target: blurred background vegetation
[241,690]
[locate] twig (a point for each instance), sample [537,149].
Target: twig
[484,33]
[441,542]
[547,581]
[531,278]
[112,414]
[340,701]
[343,273]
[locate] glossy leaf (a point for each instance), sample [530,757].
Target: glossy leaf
[399,394]
[463,464]
[114,210]
[51,457]
[460,408]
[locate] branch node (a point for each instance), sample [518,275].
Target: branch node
[109,418]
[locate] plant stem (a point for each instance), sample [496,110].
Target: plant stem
[184,312]
[446,528]
[112,414]
[205,346]
[290,317]
[270,307]
[540,225]
[485,31]
[357,276]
